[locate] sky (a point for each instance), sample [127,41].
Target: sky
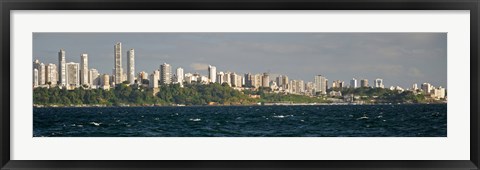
[400,59]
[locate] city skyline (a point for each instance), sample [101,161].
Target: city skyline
[426,63]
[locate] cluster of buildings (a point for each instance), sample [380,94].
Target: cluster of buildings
[71,75]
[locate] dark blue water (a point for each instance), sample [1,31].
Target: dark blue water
[244,121]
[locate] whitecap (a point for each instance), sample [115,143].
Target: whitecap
[195,120]
[95,123]
[280,116]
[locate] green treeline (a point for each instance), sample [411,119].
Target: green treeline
[191,94]
[209,94]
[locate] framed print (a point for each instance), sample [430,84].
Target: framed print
[232,84]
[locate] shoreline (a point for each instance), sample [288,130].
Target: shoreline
[249,105]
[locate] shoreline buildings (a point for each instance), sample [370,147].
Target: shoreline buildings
[72,75]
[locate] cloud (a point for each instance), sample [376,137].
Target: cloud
[199,66]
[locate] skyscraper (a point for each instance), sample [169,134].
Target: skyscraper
[84,69]
[35,77]
[51,75]
[379,83]
[364,83]
[73,72]
[180,75]
[320,84]
[41,74]
[62,71]
[353,83]
[265,80]
[118,62]
[131,66]
[165,73]
[212,73]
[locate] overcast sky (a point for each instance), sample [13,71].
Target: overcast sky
[398,58]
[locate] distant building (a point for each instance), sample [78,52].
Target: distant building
[220,77]
[35,77]
[62,68]
[94,77]
[438,93]
[73,75]
[84,69]
[427,88]
[320,84]
[105,82]
[131,66]
[165,74]
[153,83]
[265,80]
[415,87]
[51,75]
[118,70]
[338,84]
[212,73]
[353,83]
[180,76]
[364,83]
[379,83]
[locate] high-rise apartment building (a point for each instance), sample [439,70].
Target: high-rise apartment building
[73,75]
[51,75]
[265,80]
[94,77]
[379,83]
[84,69]
[35,77]
[165,74]
[105,82]
[320,84]
[62,70]
[353,83]
[154,79]
[212,73]
[364,83]
[131,66]
[118,71]
[180,75]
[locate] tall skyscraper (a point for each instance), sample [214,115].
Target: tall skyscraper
[165,73]
[364,83]
[41,71]
[353,83]
[73,75]
[265,80]
[212,73]
[62,70]
[379,83]
[51,75]
[320,84]
[180,75]
[118,62]
[84,69]
[35,77]
[41,74]
[131,66]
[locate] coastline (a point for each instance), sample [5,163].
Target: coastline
[232,105]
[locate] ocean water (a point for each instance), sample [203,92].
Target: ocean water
[422,120]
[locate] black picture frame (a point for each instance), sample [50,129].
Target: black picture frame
[7,5]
